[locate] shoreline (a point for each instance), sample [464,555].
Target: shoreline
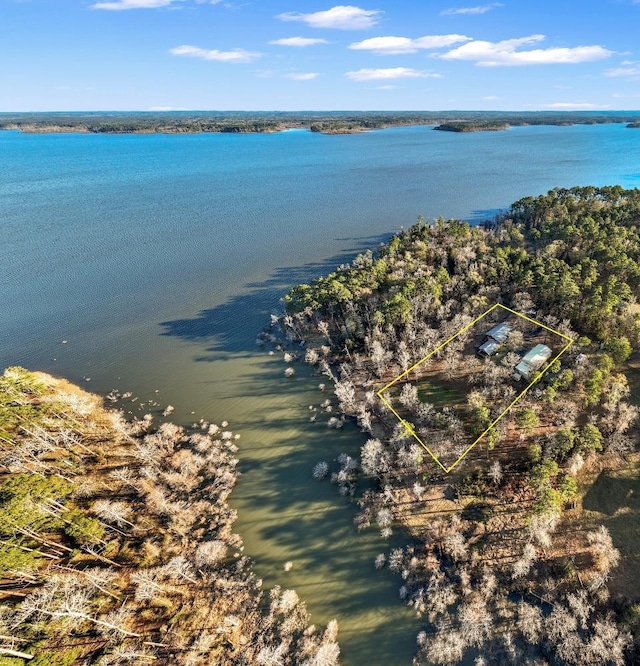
[317,122]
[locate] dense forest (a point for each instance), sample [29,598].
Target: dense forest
[116,542]
[330,122]
[527,552]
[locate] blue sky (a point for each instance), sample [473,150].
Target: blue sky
[287,55]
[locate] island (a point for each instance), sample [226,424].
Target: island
[495,372]
[469,126]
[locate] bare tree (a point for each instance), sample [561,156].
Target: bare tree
[495,472]
[529,622]
[64,597]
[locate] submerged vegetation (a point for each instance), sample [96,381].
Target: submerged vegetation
[116,542]
[335,122]
[518,556]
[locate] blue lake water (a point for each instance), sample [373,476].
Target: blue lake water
[157,258]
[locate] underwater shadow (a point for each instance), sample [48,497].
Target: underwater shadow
[232,327]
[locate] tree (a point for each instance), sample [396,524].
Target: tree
[522,566]
[495,472]
[542,472]
[529,621]
[607,555]
[568,488]
[534,453]
[372,458]
[590,439]
[563,442]
[549,503]
[65,597]
[409,396]
[527,419]
[594,386]
[619,348]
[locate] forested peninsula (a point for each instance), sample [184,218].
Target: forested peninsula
[116,542]
[528,550]
[325,122]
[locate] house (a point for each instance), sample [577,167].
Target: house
[532,361]
[488,348]
[500,333]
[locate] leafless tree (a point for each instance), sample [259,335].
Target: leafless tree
[64,597]
[113,512]
[529,622]
[372,458]
[210,553]
[606,554]
[495,472]
[409,396]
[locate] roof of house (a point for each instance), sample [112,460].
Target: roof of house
[500,332]
[533,359]
[489,347]
[538,355]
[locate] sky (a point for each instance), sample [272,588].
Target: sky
[74,55]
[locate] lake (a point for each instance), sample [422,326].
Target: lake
[149,263]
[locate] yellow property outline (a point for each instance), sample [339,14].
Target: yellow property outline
[538,376]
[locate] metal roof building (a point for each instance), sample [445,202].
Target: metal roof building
[532,361]
[500,333]
[489,348]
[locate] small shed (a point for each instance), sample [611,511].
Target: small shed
[488,348]
[500,333]
[533,361]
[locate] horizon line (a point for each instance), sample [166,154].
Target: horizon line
[429,111]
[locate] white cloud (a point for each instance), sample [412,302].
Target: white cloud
[625,96]
[397,45]
[298,41]
[632,70]
[574,106]
[482,9]
[390,87]
[506,53]
[390,73]
[341,17]
[491,98]
[168,108]
[302,76]
[233,56]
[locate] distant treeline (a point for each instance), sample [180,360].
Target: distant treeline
[338,122]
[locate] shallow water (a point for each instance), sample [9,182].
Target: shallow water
[159,258]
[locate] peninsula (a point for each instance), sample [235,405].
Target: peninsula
[495,370]
[116,542]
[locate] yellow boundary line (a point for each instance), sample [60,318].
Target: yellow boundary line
[539,375]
